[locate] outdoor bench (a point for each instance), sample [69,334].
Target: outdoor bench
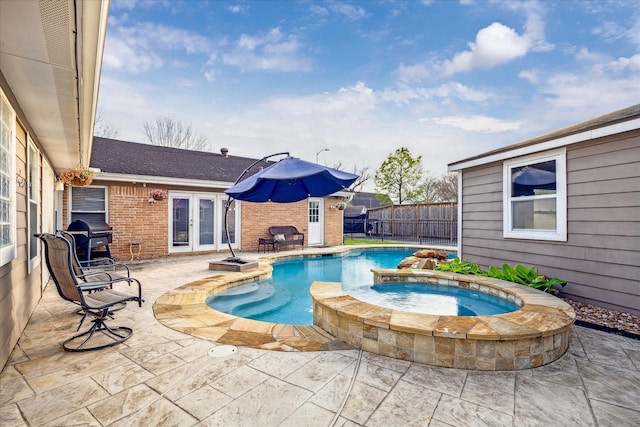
[286,235]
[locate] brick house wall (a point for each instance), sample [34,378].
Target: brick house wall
[132,217]
[258,217]
[333,222]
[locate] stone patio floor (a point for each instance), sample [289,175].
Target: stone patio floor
[161,377]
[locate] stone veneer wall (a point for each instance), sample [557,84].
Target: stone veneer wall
[533,336]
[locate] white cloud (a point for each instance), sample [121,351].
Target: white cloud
[622,64]
[530,75]
[348,11]
[272,51]
[415,72]
[633,33]
[210,75]
[482,124]
[347,101]
[462,92]
[144,46]
[121,96]
[188,83]
[238,8]
[534,31]
[588,92]
[585,55]
[494,45]
[120,56]
[319,10]
[610,31]
[444,93]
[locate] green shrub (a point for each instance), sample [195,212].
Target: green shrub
[456,265]
[527,276]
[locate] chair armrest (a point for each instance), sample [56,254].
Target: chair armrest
[104,264]
[93,286]
[91,274]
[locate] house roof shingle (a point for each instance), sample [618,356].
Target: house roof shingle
[123,157]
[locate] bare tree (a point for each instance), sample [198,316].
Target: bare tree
[430,185]
[168,132]
[448,187]
[102,128]
[443,189]
[363,176]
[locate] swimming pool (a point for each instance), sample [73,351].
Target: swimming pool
[534,335]
[285,298]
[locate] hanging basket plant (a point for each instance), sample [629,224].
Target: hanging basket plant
[79,177]
[157,195]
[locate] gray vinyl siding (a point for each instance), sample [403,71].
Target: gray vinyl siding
[601,258]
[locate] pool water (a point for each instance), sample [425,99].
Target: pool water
[433,299]
[285,298]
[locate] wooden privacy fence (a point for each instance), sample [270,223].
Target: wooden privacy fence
[422,223]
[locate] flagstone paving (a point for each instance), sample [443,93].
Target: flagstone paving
[164,377]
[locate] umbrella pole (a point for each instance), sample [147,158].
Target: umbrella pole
[227,205]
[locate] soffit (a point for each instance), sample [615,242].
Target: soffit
[38,58]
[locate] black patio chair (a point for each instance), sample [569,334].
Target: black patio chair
[97,305]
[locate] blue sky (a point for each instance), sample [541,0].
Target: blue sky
[446,79]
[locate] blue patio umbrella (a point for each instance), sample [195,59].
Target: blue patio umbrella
[291,180]
[286,181]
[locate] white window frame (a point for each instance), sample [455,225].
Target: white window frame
[560,233]
[8,251]
[34,178]
[72,211]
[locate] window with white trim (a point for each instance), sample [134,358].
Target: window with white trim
[33,159]
[7,181]
[88,204]
[535,197]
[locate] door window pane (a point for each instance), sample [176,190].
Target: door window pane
[314,211]
[206,221]
[180,223]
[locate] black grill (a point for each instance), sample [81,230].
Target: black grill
[89,235]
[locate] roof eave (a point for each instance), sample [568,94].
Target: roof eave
[160,180]
[539,144]
[92,30]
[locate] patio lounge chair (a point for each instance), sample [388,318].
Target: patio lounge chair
[103,269]
[97,305]
[91,270]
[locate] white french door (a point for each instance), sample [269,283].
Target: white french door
[196,222]
[316,222]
